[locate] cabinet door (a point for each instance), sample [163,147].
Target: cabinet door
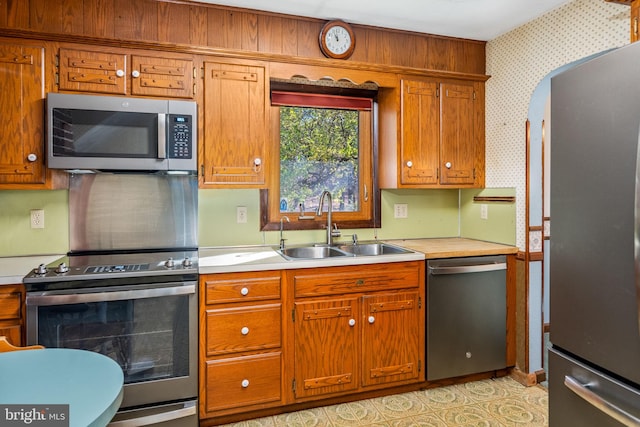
[326,347]
[391,344]
[420,124]
[21,114]
[457,138]
[161,76]
[11,297]
[90,71]
[236,125]
[635,16]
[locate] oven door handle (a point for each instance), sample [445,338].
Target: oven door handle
[188,410]
[45,300]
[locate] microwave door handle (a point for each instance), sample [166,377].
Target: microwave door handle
[162,136]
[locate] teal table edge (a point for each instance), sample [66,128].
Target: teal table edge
[90,383]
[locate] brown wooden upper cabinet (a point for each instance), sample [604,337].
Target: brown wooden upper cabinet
[235,117]
[635,17]
[21,114]
[122,73]
[441,128]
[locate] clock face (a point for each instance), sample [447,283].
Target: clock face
[337,40]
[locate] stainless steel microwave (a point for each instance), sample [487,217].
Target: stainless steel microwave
[87,132]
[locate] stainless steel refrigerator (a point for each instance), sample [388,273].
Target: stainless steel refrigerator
[594,362]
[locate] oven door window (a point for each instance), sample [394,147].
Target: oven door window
[148,338]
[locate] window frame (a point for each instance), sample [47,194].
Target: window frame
[369,193]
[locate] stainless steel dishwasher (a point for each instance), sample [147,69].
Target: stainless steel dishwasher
[466,316]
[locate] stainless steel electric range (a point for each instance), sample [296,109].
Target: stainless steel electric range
[128,289]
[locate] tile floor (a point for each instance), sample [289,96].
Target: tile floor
[487,403]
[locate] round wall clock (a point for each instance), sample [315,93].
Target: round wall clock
[337,40]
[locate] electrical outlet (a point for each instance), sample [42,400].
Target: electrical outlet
[241,214]
[400,210]
[37,218]
[484,211]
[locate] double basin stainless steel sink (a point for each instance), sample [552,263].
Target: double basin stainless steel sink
[342,250]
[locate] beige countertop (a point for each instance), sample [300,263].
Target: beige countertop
[257,258]
[452,247]
[260,258]
[13,269]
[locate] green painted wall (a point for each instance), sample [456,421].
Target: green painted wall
[16,235]
[431,213]
[500,225]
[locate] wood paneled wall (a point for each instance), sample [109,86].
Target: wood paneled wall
[197,24]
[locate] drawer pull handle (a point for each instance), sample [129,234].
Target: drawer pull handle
[245,383]
[244,330]
[360,282]
[468,355]
[352,322]
[244,291]
[371,319]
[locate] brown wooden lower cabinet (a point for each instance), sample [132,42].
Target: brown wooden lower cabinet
[271,339]
[356,328]
[240,343]
[11,318]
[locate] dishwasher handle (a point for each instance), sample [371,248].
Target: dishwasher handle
[463,269]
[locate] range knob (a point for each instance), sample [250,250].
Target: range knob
[62,268]
[186,262]
[41,269]
[169,263]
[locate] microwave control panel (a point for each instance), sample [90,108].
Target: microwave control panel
[180,136]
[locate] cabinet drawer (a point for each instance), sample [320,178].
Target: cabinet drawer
[237,288]
[9,305]
[375,277]
[231,330]
[242,381]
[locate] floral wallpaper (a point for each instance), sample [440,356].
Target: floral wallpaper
[518,60]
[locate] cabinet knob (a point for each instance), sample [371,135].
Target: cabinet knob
[245,383]
[244,330]
[119,73]
[32,157]
[135,73]
[352,322]
[257,161]
[244,291]
[409,164]
[468,355]
[371,319]
[447,165]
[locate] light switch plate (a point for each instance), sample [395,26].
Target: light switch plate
[484,211]
[400,210]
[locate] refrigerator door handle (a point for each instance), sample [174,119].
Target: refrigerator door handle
[600,403]
[636,231]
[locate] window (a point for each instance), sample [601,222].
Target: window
[324,142]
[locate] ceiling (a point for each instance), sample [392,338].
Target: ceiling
[469,19]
